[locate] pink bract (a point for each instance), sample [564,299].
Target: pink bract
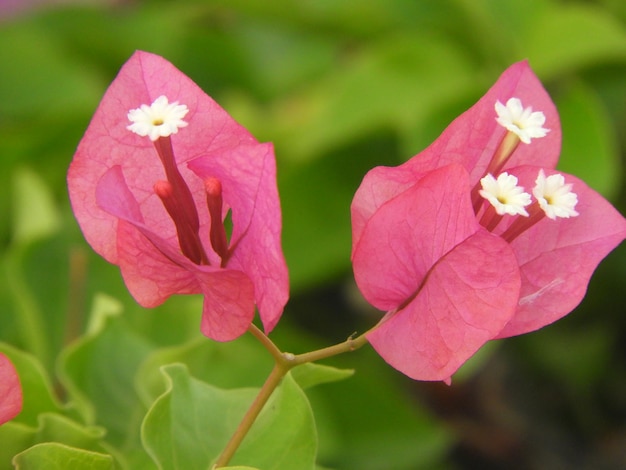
[438,313]
[10,391]
[111,185]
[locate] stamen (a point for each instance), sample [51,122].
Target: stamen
[523,125]
[181,191]
[504,194]
[490,218]
[188,239]
[213,188]
[554,199]
[554,196]
[521,224]
[160,119]
[523,122]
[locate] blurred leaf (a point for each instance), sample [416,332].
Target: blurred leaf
[98,371]
[495,29]
[37,390]
[583,366]
[189,425]
[589,148]
[398,81]
[15,437]
[238,363]
[311,374]
[35,214]
[52,456]
[374,421]
[54,427]
[568,37]
[43,79]
[239,467]
[315,199]
[282,58]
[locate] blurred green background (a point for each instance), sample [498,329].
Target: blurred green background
[339,86]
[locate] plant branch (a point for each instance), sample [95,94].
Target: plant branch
[278,372]
[349,345]
[266,342]
[283,363]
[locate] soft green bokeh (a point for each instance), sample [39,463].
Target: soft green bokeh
[339,86]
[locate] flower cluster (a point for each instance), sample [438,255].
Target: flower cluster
[159,170]
[454,247]
[475,238]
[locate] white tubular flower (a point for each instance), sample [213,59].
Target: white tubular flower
[521,121]
[504,194]
[160,119]
[554,196]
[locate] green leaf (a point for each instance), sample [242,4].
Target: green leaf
[311,374]
[238,467]
[35,214]
[37,389]
[98,371]
[284,436]
[54,456]
[373,421]
[590,150]
[15,438]
[54,427]
[239,363]
[189,425]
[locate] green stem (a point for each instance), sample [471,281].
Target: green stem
[266,342]
[278,372]
[283,363]
[349,345]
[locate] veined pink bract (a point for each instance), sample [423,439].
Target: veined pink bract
[153,198]
[509,271]
[10,391]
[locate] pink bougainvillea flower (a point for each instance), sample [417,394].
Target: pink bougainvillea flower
[160,174]
[10,391]
[478,237]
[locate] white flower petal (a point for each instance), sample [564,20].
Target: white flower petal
[160,119]
[504,194]
[555,197]
[524,122]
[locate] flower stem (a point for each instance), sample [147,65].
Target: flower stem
[278,372]
[283,363]
[266,342]
[349,345]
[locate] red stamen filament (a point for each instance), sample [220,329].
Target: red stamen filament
[521,224]
[503,152]
[180,190]
[188,240]
[490,218]
[178,201]
[219,242]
